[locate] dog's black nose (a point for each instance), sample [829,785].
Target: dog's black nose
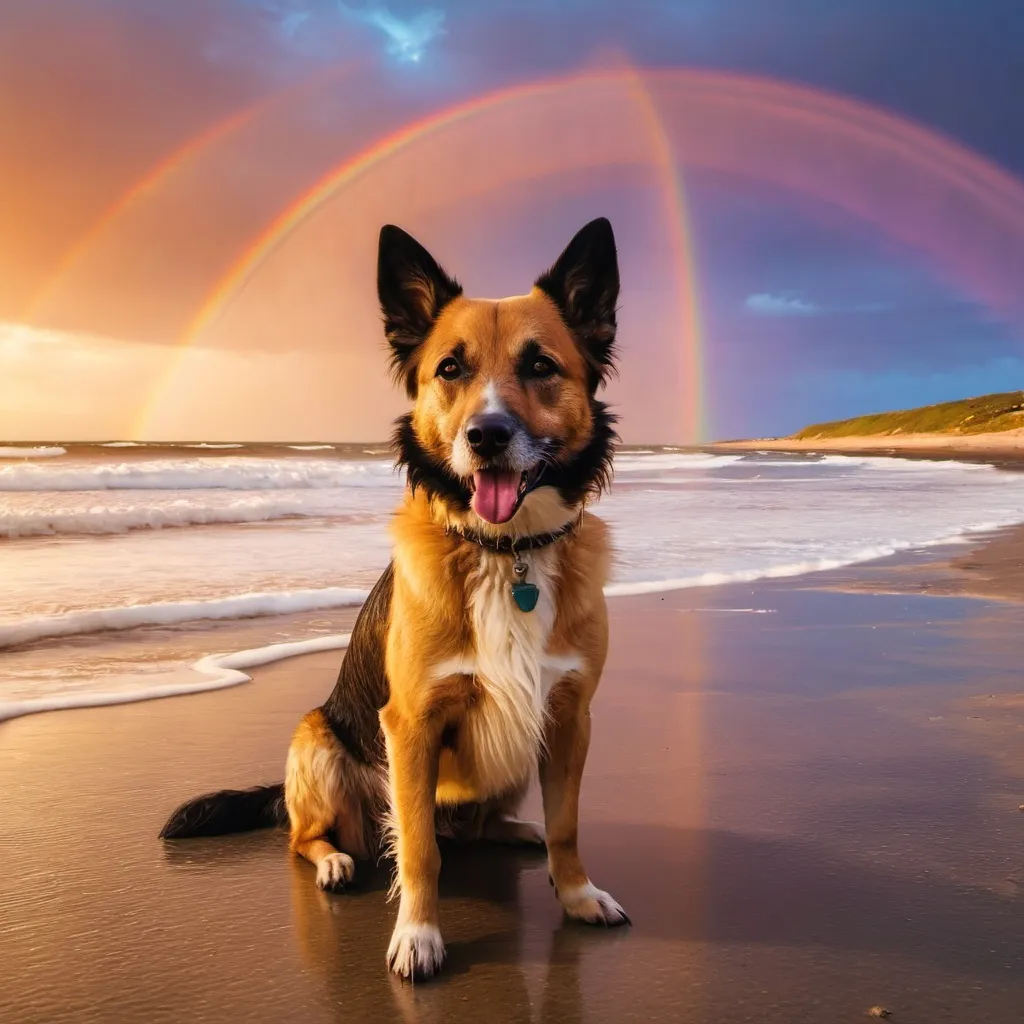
[490,433]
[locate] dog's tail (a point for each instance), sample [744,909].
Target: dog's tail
[230,810]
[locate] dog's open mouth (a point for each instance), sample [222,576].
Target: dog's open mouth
[498,493]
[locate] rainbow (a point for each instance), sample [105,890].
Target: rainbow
[160,172]
[303,207]
[871,164]
[264,245]
[678,213]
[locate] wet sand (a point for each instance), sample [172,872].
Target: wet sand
[807,812]
[990,567]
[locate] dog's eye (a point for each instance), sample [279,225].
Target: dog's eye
[449,369]
[542,367]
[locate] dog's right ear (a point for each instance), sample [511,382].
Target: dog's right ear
[412,290]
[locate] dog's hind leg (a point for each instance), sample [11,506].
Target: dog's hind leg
[491,821]
[328,792]
[502,825]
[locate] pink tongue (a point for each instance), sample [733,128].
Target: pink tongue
[495,496]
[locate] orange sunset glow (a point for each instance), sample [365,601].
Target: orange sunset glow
[183,243]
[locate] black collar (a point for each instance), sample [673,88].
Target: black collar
[508,545]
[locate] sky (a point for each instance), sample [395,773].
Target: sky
[819,204]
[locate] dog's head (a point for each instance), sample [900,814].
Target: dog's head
[506,428]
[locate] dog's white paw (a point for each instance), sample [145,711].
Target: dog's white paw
[593,905]
[513,832]
[416,951]
[335,871]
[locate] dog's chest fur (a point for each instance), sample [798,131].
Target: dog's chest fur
[505,726]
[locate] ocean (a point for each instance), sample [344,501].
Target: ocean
[126,567]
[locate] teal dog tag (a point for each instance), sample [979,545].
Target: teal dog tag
[525,595]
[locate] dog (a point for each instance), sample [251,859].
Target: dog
[479,650]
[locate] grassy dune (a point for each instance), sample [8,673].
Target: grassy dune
[987,414]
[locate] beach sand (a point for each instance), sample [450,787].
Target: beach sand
[1000,447]
[805,796]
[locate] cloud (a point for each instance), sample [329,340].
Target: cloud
[780,305]
[60,385]
[56,383]
[409,38]
[767,304]
[293,21]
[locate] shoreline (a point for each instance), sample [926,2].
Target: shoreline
[990,569]
[1005,449]
[984,565]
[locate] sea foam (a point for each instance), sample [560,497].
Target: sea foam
[232,473]
[253,605]
[45,452]
[223,670]
[214,672]
[167,613]
[712,520]
[94,521]
[629,462]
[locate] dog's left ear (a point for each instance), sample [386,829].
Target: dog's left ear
[412,289]
[584,284]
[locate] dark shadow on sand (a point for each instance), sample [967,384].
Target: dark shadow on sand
[680,885]
[688,888]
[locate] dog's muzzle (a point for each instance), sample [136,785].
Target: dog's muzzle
[507,466]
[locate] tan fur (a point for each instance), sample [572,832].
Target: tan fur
[514,688]
[435,626]
[493,333]
[325,791]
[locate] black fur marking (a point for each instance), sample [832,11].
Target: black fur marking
[589,472]
[230,810]
[412,289]
[528,356]
[449,736]
[423,471]
[586,474]
[584,285]
[508,545]
[362,689]
[459,355]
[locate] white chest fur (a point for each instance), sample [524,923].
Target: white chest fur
[506,726]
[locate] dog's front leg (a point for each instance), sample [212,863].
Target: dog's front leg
[414,747]
[561,772]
